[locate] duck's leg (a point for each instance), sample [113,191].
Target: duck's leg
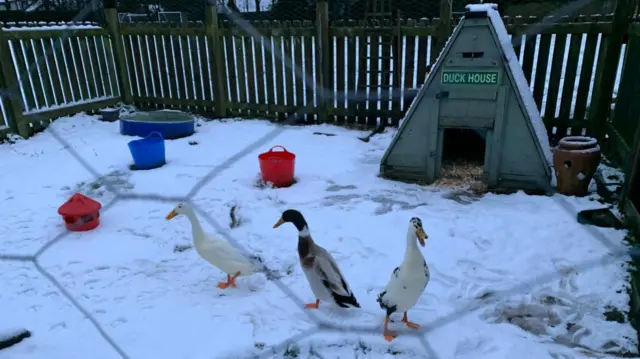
[389,335]
[408,323]
[315,305]
[231,282]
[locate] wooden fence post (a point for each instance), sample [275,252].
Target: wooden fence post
[443,31]
[603,86]
[323,58]
[216,57]
[9,81]
[113,25]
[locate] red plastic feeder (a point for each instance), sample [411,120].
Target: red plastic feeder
[80,213]
[277,167]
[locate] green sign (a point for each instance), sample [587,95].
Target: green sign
[470,77]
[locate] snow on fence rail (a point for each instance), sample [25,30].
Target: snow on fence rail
[59,69]
[168,66]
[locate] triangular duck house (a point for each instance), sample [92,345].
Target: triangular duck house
[477,99]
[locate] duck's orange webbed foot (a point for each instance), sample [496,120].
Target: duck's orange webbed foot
[315,305]
[409,324]
[231,282]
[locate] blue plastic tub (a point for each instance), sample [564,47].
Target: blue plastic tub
[148,152]
[171,124]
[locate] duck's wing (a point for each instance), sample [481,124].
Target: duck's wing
[328,270]
[225,250]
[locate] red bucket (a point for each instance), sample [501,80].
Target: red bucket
[277,167]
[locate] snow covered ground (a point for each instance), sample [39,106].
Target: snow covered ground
[158,303]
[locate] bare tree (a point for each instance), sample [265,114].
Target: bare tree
[231,4]
[257,2]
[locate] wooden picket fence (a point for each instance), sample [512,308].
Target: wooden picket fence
[54,71]
[278,69]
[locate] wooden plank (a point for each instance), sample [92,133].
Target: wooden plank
[605,39]
[187,73]
[261,90]
[52,33]
[164,69]
[423,58]
[541,69]
[88,106]
[148,29]
[309,75]
[194,77]
[178,102]
[181,71]
[409,64]
[146,63]
[58,76]
[341,72]
[101,63]
[564,28]
[554,79]
[25,77]
[36,69]
[268,64]
[87,69]
[131,45]
[374,79]
[528,56]
[588,58]
[278,62]
[206,79]
[624,118]
[67,65]
[115,81]
[362,91]
[288,69]
[152,66]
[114,46]
[215,63]
[240,71]
[94,72]
[232,75]
[332,111]
[167,63]
[273,31]
[386,44]
[8,79]
[249,63]
[44,74]
[358,30]
[570,77]
[351,84]
[298,76]
[397,78]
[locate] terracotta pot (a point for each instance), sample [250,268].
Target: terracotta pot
[576,159]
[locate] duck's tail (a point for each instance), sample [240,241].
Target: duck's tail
[345,301]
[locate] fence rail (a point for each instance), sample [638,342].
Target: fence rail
[224,70]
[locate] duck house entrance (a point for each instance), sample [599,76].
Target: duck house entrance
[463,154]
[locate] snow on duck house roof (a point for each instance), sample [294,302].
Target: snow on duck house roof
[520,81]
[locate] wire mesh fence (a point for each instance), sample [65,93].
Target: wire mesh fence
[175,11]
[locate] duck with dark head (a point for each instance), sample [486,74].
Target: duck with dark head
[323,274]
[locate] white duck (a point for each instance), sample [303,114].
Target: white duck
[216,251]
[325,279]
[408,280]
